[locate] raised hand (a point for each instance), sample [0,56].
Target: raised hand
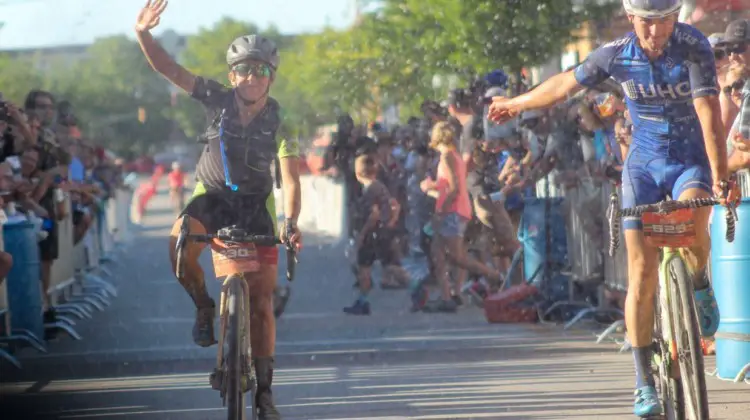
[150,15]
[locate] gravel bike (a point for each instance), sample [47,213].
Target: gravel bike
[678,354]
[234,254]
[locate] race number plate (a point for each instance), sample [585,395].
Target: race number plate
[674,230]
[235,258]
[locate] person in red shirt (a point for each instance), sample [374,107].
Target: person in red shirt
[158,173]
[177,187]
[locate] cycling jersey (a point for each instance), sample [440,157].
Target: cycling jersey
[667,154]
[250,150]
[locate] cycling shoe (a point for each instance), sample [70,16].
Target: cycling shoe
[708,311]
[646,402]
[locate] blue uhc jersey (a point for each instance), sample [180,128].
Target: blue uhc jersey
[659,94]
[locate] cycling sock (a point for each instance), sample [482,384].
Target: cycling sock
[362,298]
[643,374]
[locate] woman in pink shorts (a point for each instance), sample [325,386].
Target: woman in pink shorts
[452,214]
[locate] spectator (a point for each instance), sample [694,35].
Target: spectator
[40,166]
[177,187]
[735,44]
[738,149]
[452,213]
[15,133]
[433,112]
[377,215]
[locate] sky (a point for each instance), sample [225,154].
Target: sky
[46,23]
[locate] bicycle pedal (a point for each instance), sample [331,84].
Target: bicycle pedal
[216,379]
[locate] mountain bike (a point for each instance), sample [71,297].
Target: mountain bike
[234,253]
[678,354]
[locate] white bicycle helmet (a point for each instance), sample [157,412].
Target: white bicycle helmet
[652,8]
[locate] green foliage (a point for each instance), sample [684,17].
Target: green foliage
[390,56]
[15,78]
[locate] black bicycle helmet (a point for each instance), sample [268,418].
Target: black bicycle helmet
[253,47]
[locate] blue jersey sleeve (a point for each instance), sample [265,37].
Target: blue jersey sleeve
[595,69]
[702,69]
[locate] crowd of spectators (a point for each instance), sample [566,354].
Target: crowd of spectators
[44,159]
[581,144]
[543,153]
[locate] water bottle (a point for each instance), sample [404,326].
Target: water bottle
[745,111]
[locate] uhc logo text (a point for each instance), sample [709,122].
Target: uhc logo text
[636,91]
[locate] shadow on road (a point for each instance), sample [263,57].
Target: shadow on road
[502,389]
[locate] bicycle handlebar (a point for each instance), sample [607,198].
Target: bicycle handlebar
[262,240]
[614,214]
[235,235]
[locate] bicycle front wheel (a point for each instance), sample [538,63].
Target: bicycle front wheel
[688,341]
[235,310]
[670,388]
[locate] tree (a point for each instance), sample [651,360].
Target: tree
[108,88]
[17,78]
[469,37]
[400,47]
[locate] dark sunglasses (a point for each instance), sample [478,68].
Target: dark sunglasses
[737,85]
[739,48]
[258,70]
[719,54]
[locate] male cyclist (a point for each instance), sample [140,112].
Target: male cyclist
[667,72]
[245,119]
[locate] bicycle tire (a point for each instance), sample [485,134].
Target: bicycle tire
[235,303]
[670,389]
[688,341]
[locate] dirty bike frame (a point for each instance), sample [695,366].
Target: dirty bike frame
[678,353]
[234,374]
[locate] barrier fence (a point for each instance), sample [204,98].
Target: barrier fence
[77,285]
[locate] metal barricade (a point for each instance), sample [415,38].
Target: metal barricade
[23,300]
[615,269]
[582,260]
[63,272]
[76,288]
[5,316]
[63,279]
[585,213]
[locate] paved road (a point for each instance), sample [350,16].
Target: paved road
[137,360]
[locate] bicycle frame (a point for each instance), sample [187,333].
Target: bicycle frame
[220,375]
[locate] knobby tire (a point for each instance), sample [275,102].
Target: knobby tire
[233,359]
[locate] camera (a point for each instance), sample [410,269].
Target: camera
[4,116]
